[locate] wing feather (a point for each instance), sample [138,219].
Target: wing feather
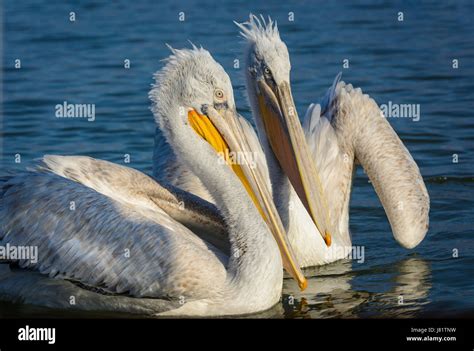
[135,188]
[100,241]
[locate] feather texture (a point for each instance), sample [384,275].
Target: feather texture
[105,242]
[350,129]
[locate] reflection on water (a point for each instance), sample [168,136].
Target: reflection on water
[331,292]
[410,293]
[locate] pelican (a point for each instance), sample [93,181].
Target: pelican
[112,229]
[312,167]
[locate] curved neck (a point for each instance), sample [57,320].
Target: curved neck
[391,169]
[255,261]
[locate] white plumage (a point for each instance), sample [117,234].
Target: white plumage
[345,129]
[125,235]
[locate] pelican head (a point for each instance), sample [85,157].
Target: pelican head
[193,104]
[191,80]
[268,86]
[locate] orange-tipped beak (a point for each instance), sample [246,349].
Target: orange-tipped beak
[222,130]
[287,140]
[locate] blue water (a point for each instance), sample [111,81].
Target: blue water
[408,62]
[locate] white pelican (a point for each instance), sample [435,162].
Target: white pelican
[103,226]
[346,129]
[311,168]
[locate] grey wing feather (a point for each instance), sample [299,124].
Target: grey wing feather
[130,186]
[321,136]
[83,235]
[328,154]
[324,108]
[329,100]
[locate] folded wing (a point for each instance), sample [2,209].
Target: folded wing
[104,239]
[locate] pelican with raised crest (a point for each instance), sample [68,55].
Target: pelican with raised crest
[312,166]
[124,234]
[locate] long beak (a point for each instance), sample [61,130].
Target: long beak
[223,131]
[285,135]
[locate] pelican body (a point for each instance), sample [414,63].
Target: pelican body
[115,231]
[312,166]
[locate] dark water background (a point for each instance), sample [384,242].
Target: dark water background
[407,62]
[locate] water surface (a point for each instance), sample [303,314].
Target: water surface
[409,62]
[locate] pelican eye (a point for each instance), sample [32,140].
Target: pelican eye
[267,73]
[219,94]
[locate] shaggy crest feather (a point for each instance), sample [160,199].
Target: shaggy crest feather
[164,76]
[265,47]
[256,29]
[194,66]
